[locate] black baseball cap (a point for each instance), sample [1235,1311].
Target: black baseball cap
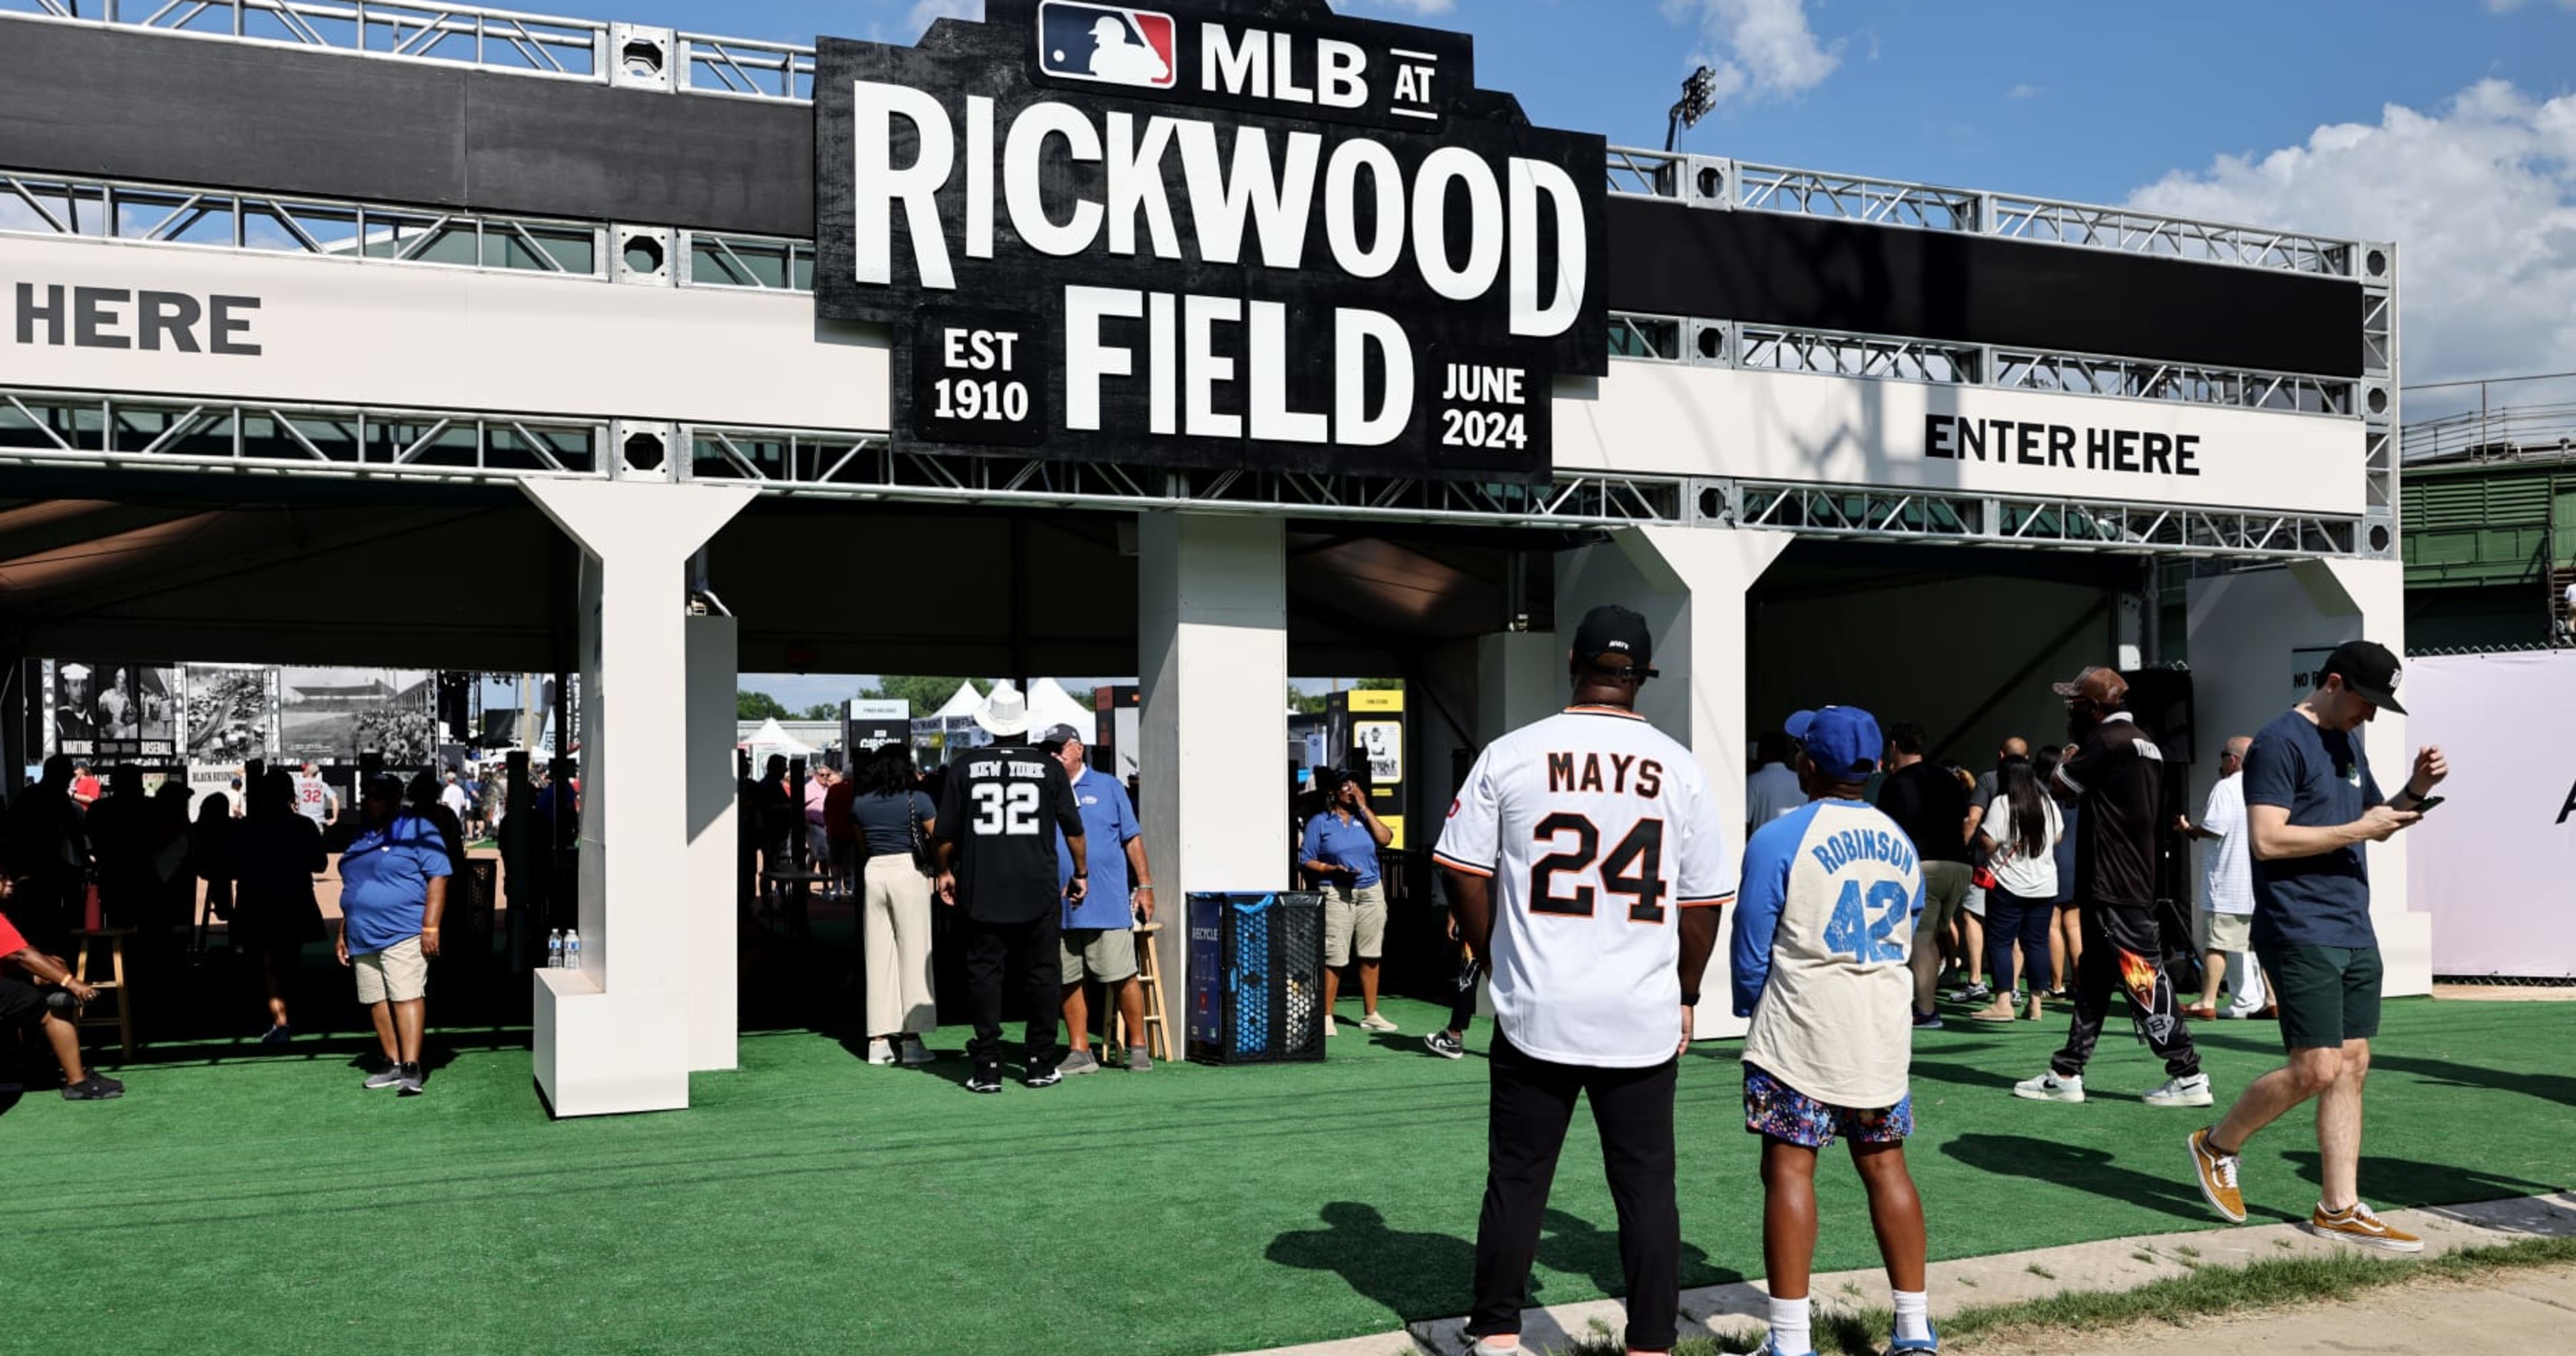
[2368,670]
[1057,736]
[1614,630]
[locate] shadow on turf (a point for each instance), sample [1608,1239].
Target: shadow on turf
[2404,1181]
[1419,1275]
[2085,1169]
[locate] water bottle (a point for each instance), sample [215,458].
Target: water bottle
[555,950]
[572,949]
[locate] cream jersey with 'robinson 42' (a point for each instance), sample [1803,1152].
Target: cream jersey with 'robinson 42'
[1595,827]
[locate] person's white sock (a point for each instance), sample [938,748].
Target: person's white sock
[1913,1315]
[1789,1326]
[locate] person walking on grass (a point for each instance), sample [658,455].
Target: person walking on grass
[2226,893]
[1581,856]
[393,887]
[2019,831]
[2118,771]
[1824,927]
[2311,804]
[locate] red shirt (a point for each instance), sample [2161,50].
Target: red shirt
[10,942]
[85,789]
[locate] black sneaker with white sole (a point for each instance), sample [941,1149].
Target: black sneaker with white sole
[1042,1076]
[389,1076]
[98,1087]
[410,1083]
[986,1078]
[1445,1045]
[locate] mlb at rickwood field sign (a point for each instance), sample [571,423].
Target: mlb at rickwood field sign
[1251,235]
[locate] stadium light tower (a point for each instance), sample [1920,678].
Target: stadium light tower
[1699,92]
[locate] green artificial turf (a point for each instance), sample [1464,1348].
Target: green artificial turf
[810,1202]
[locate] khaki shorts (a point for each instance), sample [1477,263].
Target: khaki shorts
[2226,931]
[1354,923]
[397,974]
[1104,954]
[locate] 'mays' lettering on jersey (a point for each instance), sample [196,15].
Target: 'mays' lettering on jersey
[1594,826]
[1003,807]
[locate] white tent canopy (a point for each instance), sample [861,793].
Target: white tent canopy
[1050,704]
[770,738]
[961,703]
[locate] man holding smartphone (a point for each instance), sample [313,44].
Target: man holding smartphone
[2311,804]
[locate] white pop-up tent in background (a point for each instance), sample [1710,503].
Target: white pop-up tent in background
[2496,862]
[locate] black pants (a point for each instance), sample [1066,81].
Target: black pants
[1462,1004]
[1532,1103]
[2123,953]
[1022,957]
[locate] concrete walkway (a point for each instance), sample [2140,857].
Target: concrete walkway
[2515,1314]
[2112,1264]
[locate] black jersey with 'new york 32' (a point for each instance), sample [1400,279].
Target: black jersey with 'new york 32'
[1002,806]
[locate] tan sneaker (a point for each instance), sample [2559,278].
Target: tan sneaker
[2358,1225]
[2217,1173]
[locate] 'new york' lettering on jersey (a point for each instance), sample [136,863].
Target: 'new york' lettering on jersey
[1824,924]
[1003,806]
[1594,826]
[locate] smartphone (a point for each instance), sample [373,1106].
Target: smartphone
[2425,806]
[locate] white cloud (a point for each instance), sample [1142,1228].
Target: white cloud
[1757,48]
[1417,8]
[2509,6]
[2024,90]
[2480,197]
[924,11]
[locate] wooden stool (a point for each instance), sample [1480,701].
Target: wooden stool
[1158,1034]
[87,940]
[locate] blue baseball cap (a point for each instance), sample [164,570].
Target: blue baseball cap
[1842,741]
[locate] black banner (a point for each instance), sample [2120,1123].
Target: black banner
[1257,235]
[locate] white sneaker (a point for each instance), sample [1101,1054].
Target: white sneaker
[2048,1087]
[1376,1022]
[880,1051]
[2192,1091]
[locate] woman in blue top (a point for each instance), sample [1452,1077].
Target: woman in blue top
[891,817]
[1339,853]
[393,886]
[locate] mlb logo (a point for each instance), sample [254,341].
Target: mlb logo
[1108,43]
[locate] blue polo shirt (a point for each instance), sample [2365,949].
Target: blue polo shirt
[1349,844]
[384,882]
[2322,777]
[1108,826]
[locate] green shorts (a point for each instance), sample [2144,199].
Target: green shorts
[2327,994]
[1104,954]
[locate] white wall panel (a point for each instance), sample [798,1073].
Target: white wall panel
[1714,421]
[339,331]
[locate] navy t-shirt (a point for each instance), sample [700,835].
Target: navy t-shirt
[2322,777]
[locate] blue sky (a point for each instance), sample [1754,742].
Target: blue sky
[2448,126]
[2081,101]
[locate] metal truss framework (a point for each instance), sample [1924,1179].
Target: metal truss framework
[1716,181]
[2030,521]
[587,50]
[149,213]
[160,214]
[59,428]
[692,63]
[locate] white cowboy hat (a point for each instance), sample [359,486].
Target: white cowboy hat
[1005,712]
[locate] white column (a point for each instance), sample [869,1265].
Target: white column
[2252,635]
[1689,583]
[1212,654]
[1520,677]
[715,972]
[615,1035]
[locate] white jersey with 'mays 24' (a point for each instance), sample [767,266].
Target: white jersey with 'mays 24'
[1595,826]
